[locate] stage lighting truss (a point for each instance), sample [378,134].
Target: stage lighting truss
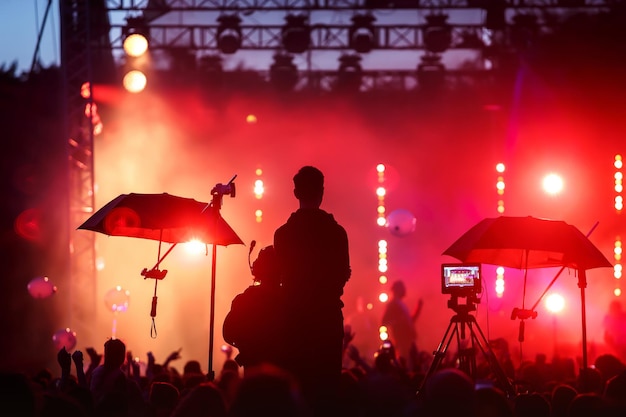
[318,37]
[283,72]
[437,33]
[362,35]
[229,33]
[296,33]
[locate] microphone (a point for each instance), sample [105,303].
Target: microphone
[252,245]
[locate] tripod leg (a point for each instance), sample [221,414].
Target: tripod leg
[494,365]
[440,353]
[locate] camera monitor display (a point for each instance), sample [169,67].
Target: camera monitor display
[460,279]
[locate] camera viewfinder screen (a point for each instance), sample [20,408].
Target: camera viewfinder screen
[460,277]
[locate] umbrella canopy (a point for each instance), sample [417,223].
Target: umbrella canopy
[527,242]
[163,217]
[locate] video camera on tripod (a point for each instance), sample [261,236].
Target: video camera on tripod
[464,281]
[461,280]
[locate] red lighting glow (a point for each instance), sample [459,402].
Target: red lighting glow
[555,303]
[553,184]
[28,224]
[195,247]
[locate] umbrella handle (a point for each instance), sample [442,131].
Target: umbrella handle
[154,307]
[153,310]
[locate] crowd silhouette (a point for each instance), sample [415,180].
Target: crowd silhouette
[296,358]
[111,384]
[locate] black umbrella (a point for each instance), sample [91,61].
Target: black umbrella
[169,218]
[530,242]
[163,217]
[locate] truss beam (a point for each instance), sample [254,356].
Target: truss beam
[313,5]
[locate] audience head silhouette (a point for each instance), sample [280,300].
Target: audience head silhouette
[449,392]
[114,353]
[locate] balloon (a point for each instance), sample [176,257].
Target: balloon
[41,287]
[64,337]
[117,299]
[401,222]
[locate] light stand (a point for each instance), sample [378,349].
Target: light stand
[218,193]
[459,323]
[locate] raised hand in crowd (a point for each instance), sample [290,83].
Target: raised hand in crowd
[354,354]
[132,365]
[64,358]
[65,362]
[172,357]
[77,357]
[150,366]
[94,360]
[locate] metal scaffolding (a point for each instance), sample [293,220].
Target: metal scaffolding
[192,25]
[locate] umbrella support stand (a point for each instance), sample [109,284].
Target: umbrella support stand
[168,218]
[211,372]
[582,284]
[523,314]
[218,192]
[459,324]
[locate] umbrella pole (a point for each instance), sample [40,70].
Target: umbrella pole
[582,284]
[218,193]
[211,372]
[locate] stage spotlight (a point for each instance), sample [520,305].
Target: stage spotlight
[431,73]
[229,33]
[362,34]
[134,81]
[437,33]
[136,34]
[283,72]
[296,34]
[349,73]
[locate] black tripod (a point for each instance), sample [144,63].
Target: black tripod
[459,323]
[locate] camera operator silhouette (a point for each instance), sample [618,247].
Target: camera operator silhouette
[255,322]
[313,257]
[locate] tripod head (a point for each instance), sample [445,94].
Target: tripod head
[463,309]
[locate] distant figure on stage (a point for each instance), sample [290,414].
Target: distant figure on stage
[313,257]
[401,325]
[615,329]
[255,324]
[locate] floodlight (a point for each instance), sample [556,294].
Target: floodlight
[229,33]
[296,34]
